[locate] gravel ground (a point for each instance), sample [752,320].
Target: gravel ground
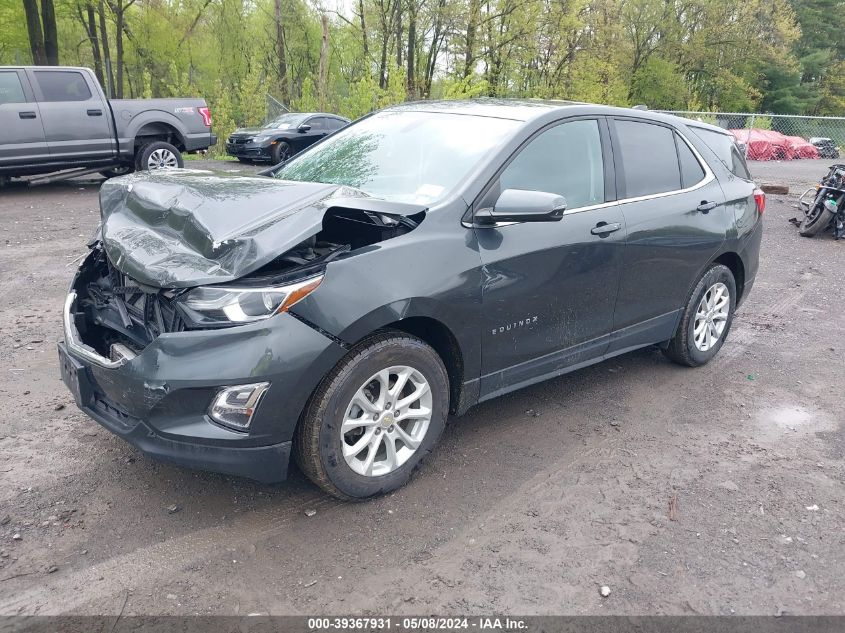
[717,490]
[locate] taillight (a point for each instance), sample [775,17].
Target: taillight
[205,113]
[760,200]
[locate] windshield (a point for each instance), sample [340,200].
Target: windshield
[416,157]
[284,122]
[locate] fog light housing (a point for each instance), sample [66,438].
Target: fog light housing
[234,407]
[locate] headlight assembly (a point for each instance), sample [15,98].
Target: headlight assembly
[224,305]
[260,139]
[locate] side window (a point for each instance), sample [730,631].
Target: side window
[649,158]
[566,160]
[317,124]
[335,124]
[11,90]
[726,150]
[60,85]
[692,172]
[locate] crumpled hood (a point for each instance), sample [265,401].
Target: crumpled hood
[185,228]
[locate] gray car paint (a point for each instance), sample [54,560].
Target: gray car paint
[454,282]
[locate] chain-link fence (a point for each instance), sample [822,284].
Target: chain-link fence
[780,148]
[779,136]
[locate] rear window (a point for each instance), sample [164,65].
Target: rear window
[649,158]
[726,151]
[11,90]
[59,85]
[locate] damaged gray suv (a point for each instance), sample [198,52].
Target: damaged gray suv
[426,258]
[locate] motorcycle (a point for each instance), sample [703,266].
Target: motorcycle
[827,209]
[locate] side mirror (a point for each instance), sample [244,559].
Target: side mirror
[304,127]
[518,205]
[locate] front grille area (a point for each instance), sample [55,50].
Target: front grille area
[117,309]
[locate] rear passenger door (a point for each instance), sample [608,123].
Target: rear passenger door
[677,220]
[20,122]
[77,122]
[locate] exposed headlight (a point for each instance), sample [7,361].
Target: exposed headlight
[224,305]
[260,139]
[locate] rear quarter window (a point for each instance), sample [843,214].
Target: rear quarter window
[726,151]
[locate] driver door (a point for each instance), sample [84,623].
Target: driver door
[549,288]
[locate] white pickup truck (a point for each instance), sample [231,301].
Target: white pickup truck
[55,118]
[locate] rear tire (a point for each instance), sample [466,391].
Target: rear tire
[705,321]
[158,155]
[334,424]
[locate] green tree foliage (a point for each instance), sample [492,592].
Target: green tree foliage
[780,56]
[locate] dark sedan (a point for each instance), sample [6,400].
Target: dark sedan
[282,137]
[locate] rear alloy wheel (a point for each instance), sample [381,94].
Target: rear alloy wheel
[159,155]
[374,417]
[706,319]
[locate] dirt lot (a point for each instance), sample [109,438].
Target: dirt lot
[717,490]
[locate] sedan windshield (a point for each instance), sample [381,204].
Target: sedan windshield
[402,156]
[284,122]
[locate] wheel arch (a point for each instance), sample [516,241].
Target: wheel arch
[734,263]
[443,341]
[159,131]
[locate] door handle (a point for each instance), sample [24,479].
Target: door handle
[603,228]
[95,113]
[26,115]
[706,207]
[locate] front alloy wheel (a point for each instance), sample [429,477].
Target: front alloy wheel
[374,417]
[386,421]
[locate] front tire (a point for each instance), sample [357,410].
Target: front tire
[158,155]
[816,221]
[706,319]
[377,414]
[280,152]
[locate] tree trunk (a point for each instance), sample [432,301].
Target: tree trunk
[91,28]
[364,32]
[119,17]
[469,50]
[281,53]
[433,50]
[104,38]
[412,48]
[399,33]
[324,61]
[51,35]
[36,37]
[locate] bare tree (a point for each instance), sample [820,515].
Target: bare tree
[324,61]
[36,36]
[281,53]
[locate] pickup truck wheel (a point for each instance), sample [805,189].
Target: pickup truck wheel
[118,171]
[159,155]
[376,415]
